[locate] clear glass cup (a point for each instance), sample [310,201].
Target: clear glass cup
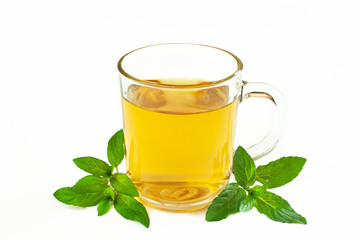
[179,105]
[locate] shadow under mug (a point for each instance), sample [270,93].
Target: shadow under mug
[179,105]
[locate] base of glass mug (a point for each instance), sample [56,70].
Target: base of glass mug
[166,203]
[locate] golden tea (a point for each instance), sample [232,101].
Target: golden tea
[179,142]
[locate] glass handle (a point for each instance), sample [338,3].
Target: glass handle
[264,90]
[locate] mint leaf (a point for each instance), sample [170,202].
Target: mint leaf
[87,192]
[258,190]
[90,183]
[244,168]
[277,209]
[94,166]
[80,199]
[109,192]
[227,202]
[281,171]
[104,206]
[115,149]
[131,209]
[65,195]
[247,204]
[122,183]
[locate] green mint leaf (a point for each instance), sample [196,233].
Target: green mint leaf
[247,204]
[131,209]
[281,171]
[122,183]
[109,192]
[277,209]
[104,206]
[244,168]
[90,183]
[94,166]
[87,192]
[65,195]
[259,190]
[111,170]
[227,202]
[115,149]
[80,199]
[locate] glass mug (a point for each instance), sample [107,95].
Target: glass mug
[179,105]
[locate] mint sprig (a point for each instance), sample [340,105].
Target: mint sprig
[243,196]
[105,188]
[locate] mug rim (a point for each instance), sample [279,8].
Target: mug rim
[197,85]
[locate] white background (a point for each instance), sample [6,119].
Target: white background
[60,99]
